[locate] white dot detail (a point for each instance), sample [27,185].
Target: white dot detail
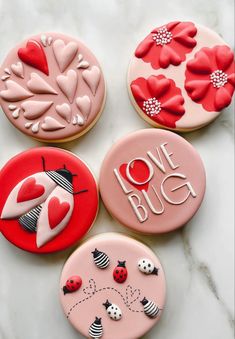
[163,36]
[152,106]
[218,78]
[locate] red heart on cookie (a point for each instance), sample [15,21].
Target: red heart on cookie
[139,172]
[30,190]
[57,211]
[33,55]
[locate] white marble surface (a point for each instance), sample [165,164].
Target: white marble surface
[199,258]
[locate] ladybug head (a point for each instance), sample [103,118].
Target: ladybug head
[64,172]
[95,253]
[107,304]
[122,263]
[144,301]
[97,321]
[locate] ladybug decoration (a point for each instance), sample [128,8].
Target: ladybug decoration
[72,284]
[120,272]
[146,266]
[150,308]
[96,329]
[113,311]
[43,203]
[100,259]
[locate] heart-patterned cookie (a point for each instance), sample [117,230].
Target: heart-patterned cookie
[52,68]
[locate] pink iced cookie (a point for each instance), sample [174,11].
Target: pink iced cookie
[181,76]
[122,294]
[52,87]
[152,181]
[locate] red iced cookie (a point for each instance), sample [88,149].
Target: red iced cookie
[48,201]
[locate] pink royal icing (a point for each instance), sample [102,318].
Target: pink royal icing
[103,307]
[152,181]
[58,70]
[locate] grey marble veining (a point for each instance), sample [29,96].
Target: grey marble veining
[198,259]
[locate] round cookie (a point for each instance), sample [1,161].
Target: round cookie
[152,181]
[52,87]
[181,76]
[48,201]
[103,307]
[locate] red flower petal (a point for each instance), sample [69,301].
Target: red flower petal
[231,79]
[144,47]
[222,98]
[174,105]
[157,87]
[138,93]
[185,37]
[168,56]
[172,25]
[197,88]
[224,57]
[200,64]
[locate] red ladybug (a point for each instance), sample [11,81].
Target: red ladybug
[120,272]
[72,284]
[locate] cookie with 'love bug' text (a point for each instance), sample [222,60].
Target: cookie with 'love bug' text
[118,301]
[152,181]
[181,76]
[52,87]
[48,201]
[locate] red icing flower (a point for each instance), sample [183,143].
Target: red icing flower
[210,77]
[159,99]
[168,44]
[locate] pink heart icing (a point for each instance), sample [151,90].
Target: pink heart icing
[84,105]
[18,69]
[14,92]
[64,54]
[64,111]
[92,78]
[68,84]
[35,109]
[38,85]
[51,124]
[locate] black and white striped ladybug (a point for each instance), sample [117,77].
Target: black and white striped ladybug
[150,308]
[101,259]
[146,266]
[113,311]
[43,203]
[96,329]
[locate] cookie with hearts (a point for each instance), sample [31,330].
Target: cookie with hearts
[181,76]
[52,87]
[152,181]
[48,201]
[104,307]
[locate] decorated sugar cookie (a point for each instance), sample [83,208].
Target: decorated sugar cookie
[52,87]
[48,201]
[103,308]
[181,76]
[152,181]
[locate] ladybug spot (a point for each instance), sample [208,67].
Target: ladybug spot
[109,312]
[117,271]
[143,261]
[71,281]
[125,275]
[121,276]
[115,313]
[112,307]
[149,265]
[144,267]
[121,270]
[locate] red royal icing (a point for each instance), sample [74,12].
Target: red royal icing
[30,190]
[57,211]
[210,77]
[168,45]
[166,95]
[33,55]
[139,172]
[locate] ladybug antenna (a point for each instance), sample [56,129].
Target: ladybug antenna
[82,191]
[43,164]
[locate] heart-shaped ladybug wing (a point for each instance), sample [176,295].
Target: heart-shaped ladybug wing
[55,215]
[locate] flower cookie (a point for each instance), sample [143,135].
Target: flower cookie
[181,76]
[52,87]
[152,181]
[103,307]
[48,201]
